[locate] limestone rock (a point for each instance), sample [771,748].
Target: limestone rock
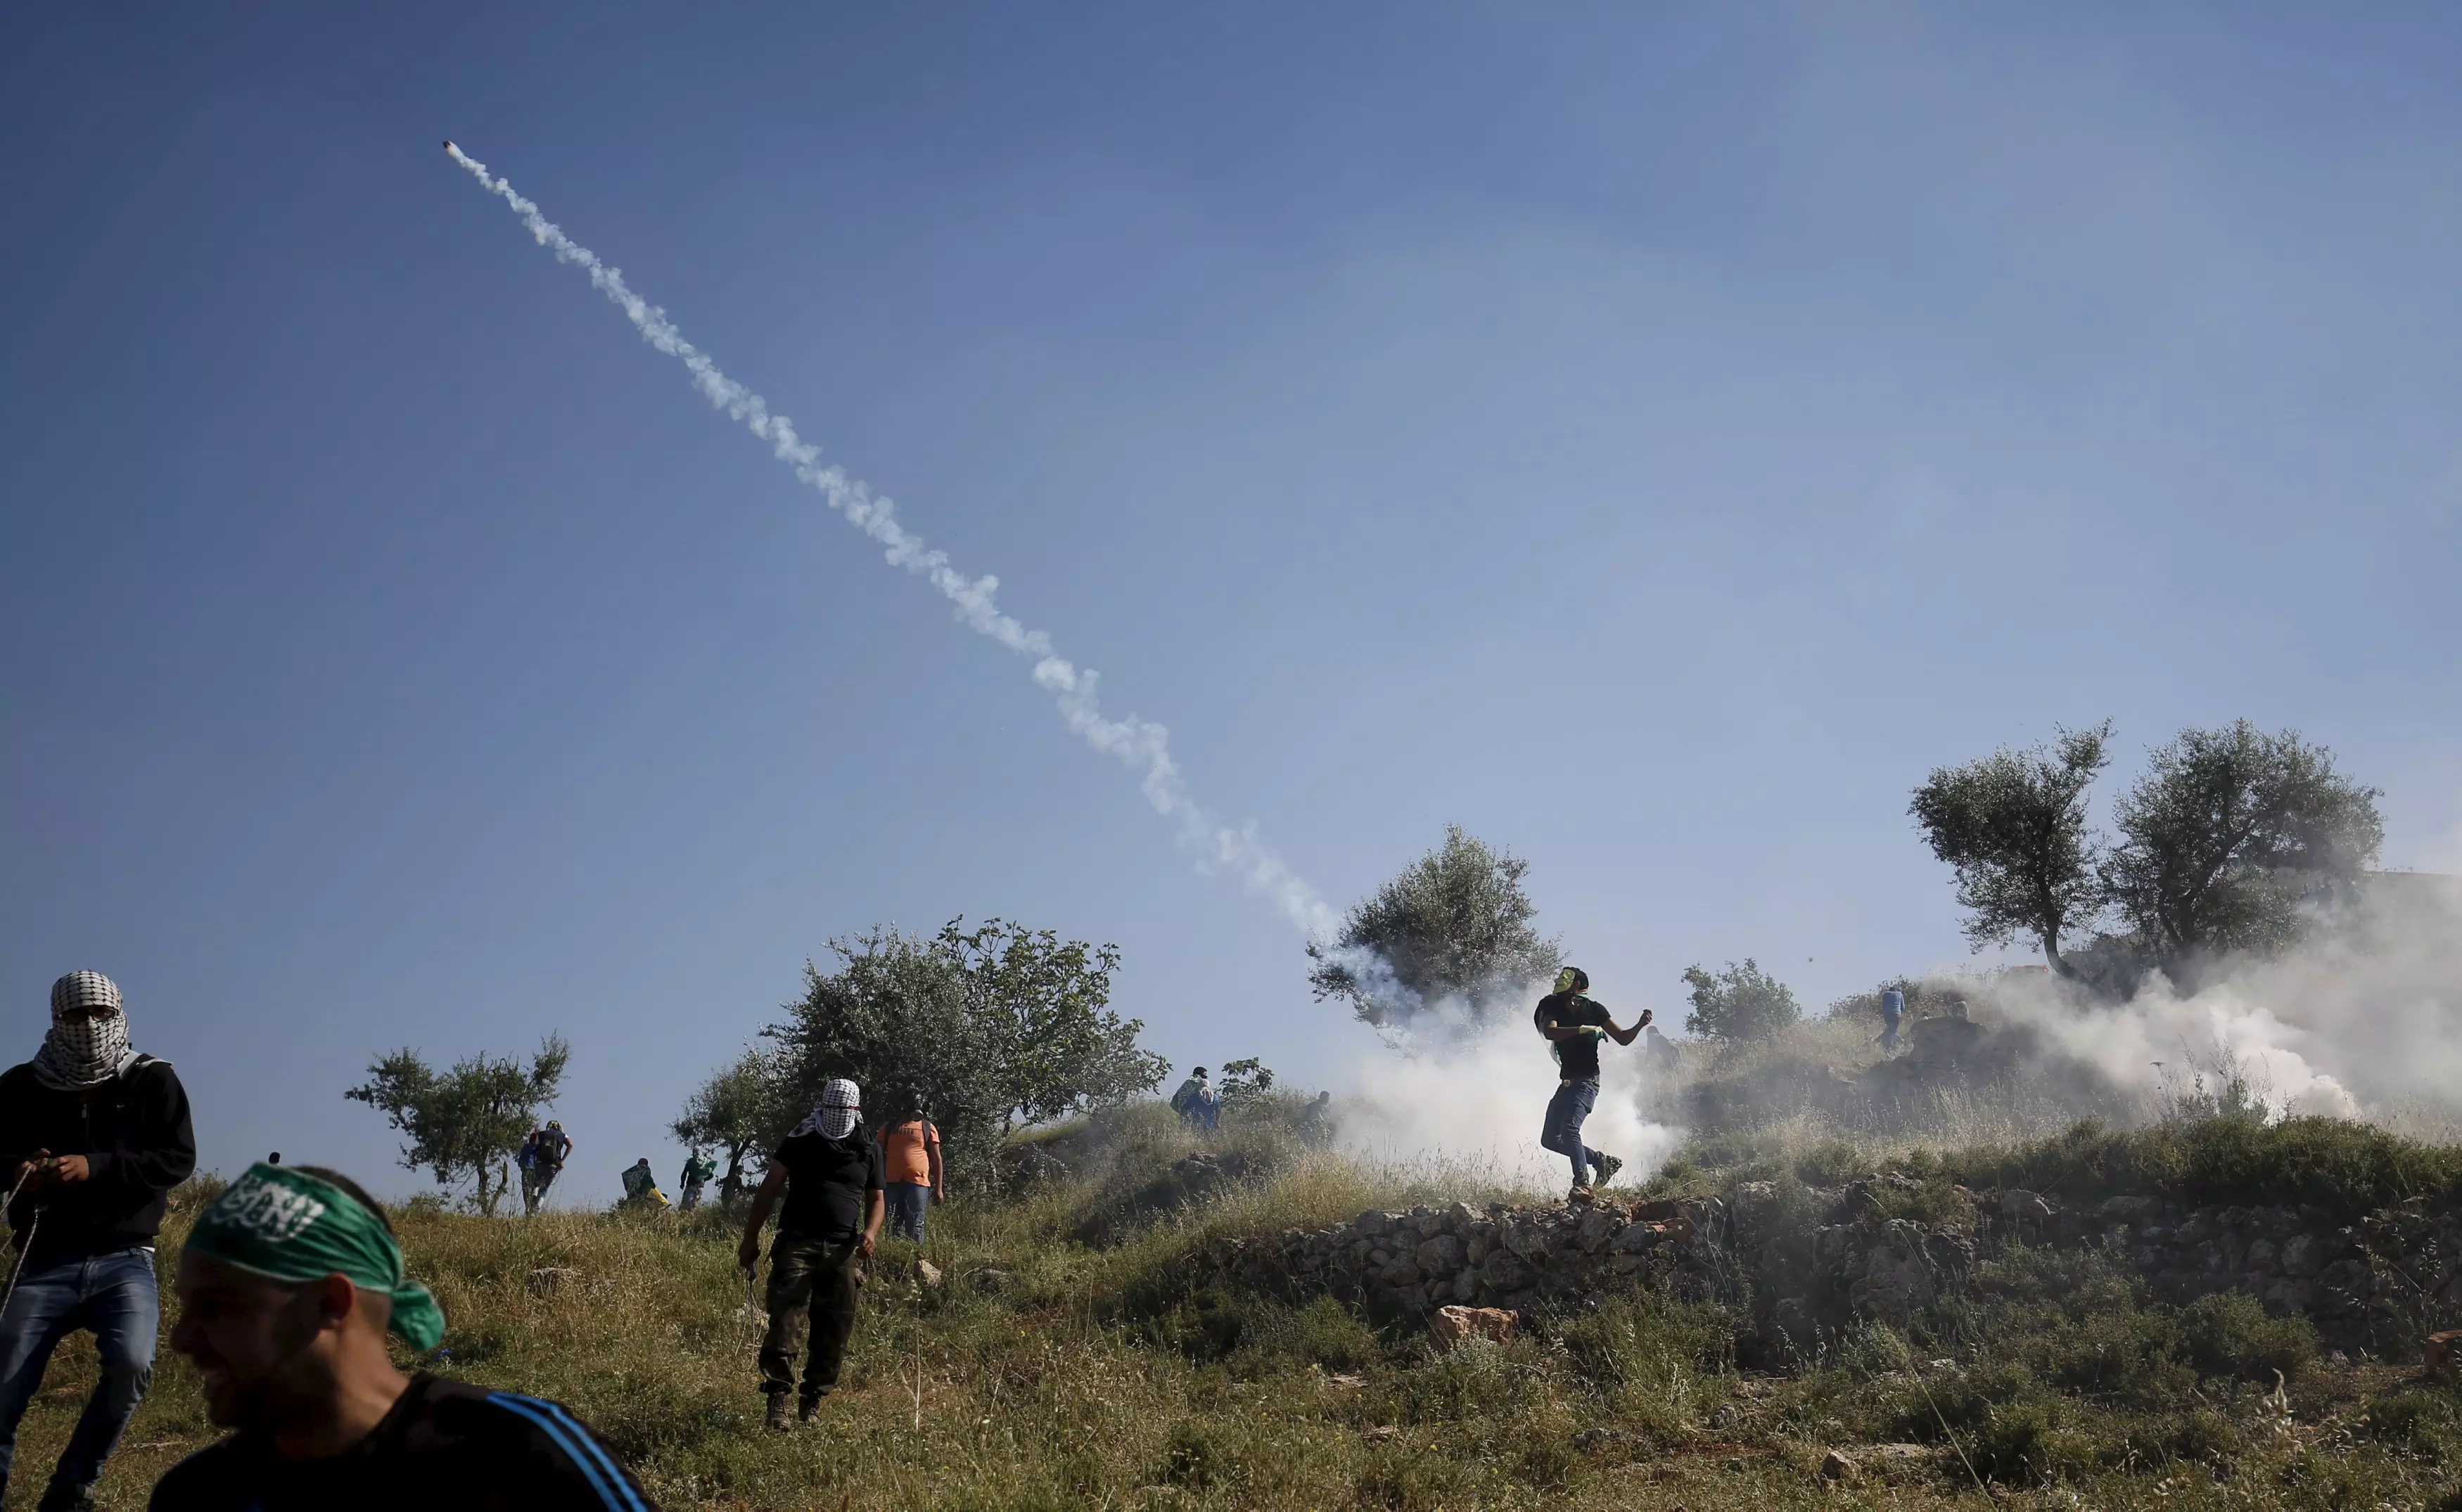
[1449,1326]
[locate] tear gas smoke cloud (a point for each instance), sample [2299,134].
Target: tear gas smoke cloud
[2359,1019]
[1474,1097]
[1141,745]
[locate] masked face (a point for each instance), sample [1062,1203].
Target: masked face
[841,1101]
[89,1038]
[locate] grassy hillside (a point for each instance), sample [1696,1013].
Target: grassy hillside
[1071,1360]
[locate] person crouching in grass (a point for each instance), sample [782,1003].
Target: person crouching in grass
[830,1175]
[287,1287]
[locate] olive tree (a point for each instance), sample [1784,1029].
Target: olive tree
[465,1123]
[2013,825]
[1455,924]
[2227,834]
[986,1030]
[1739,1003]
[743,1109]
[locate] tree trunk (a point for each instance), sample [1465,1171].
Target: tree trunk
[2052,954]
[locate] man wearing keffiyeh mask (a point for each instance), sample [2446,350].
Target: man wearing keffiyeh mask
[92,1137]
[832,1177]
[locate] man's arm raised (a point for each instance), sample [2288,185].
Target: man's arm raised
[1627,1036]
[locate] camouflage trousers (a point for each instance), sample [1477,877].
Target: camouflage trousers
[808,1280]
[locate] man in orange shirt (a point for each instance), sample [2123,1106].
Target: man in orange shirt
[911,1148]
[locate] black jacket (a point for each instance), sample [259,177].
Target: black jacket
[133,1131]
[445,1444]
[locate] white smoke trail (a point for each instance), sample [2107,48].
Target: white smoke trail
[1138,744]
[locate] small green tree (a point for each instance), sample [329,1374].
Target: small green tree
[1244,1082]
[2013,825]
[468,1123]
[743,1109]
[1739,1003]
[2225,836]
[1453,923]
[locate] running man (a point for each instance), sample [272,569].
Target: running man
[92,1136]
[1574,1022]
[288,1286]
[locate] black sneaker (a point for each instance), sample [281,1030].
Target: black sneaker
[810,1408]
[1605,1170]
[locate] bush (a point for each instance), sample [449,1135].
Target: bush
[1739,1003]
[2230,1333]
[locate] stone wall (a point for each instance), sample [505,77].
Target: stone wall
[1517,1258]
[1805,1262]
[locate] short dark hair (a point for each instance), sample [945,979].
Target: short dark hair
[350,1189]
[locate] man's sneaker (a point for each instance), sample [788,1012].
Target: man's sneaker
[1579,1193]
[1605,1170]
[782,1418]
[810,1410]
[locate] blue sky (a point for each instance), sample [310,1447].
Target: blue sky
[1652,439]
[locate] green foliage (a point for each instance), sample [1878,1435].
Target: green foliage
[1455,924]
[2226,834]
[2013,825]
[1245,1084]
[2349,1169]
[1274,1338]
[988,1028]
[1738,1005]
[743,1109]
[2425,1422]
[465,1123]
[1649,1342]
[2231,1334]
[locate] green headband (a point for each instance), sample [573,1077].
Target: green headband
[282,1222]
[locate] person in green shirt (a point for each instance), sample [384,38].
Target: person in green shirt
[698,1168]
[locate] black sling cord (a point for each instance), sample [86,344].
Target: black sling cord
[26,1247]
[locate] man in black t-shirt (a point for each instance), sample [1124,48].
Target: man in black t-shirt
[1574,1023]
[287,1288]
[832,1176]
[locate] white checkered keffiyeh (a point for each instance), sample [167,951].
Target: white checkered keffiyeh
[834,1116]
[82,1051]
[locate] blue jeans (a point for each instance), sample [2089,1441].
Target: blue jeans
[907,1201]
[112,1295]
[1563,1134]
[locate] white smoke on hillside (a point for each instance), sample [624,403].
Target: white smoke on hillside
[2364,1018]
[1473,1098]
[1141,745]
